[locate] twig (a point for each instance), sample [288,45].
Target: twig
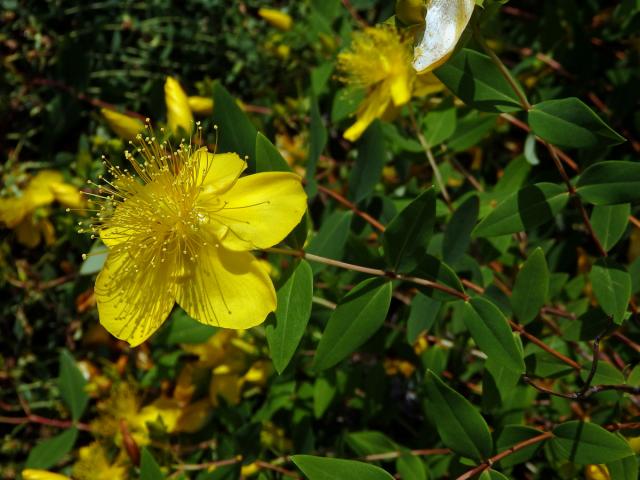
[520,329]
[44,421]
[351,206]
[275,468]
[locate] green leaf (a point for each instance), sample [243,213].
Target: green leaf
[477,81]
[568,122]
[406,238]
[528,208]
[459,424]
[610,222]
[149,469]
[423,313]
[470,131]
[531,287]
[586,443]
[345,103]
[610,183]
[322,468]
[612,287]
[440,123]
[492,475]
[624,469]
[457,236]
[268,158]
[369,163]
[317,141]
[360,314]
[331,238]
[411,467]
[491,332]
[292,315]
[430,268]
[236,132]
[512,435]
[324,391]
[71,383]
[184,329]
[370,443]
[49,452]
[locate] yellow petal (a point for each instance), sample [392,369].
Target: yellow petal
[132,305]
[39,192]
[410,12]
[163,410]
[444,23]
[261,209]
[33,474]
[28,232]
[201,105]
[13,210]
[401,88]
[67,195]
[426,84]
[276,18]
[228,289]
[218,172]
[373,106]
[179,116]
[124,126]
[225,386]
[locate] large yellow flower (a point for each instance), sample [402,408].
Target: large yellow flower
[379,60]
[183,232]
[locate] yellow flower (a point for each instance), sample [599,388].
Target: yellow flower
[596,472]
[184,234]
[444,23]
[94,464]
[33,474]
[202,106]
[25,214]
[276,18]
[249,470]
[225,385]
[122,125]
[179,116]
[395,367]
[378,60]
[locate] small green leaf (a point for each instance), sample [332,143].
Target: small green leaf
[457,236]
[585,443]
[568,122]
[71,383]
[411,467]
[612,287]
[440,123]
[610,222]
[624,469]
[324,391]
[331,238]
[492,475]
[406,238]
[460,426]
[531,287]
[370,443]
[528,208]
[491,332]
[610,183]
[424,311]
[317,142]
[345,103]
[430,268]
[470,131]
[476,80]
[149,469]
[184,329]
[369,163]
[360,314]
[49,452]
[322,468]
[292,315]
[512,435]
[237,133]
[268,158]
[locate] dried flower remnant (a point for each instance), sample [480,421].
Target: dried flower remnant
[179,228]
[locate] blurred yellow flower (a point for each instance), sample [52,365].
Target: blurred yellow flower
[249,470]
[393,366]
[33,474]
[195,416]
[26,215]
[274,437]
[202,106]
[124,126]
[179,116]
[596,472]
[276,18]
[94,464]
[227,386]
[444,23]
[184,235]
[379,60]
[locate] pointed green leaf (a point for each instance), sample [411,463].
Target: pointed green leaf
[331,238]
[411,467]
[491,332]
[611,285]
[71,383]
[424,311]
[585,443]
[568,122]
[268,158]
[610,222]
[457,236]
[430,268]
[610,183]
[459,424]
[512,435]
[292,315]
[369,163]
[322,468]
[531,287]
[317,142]
[49,452]
[360,314]
[624,469]
[370,443]
[528,208]
[149,469]
[406,238]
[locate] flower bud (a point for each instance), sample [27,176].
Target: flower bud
[179,116]
[202,106]
[124,126]
[276,18]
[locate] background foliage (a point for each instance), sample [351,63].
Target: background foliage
[530,339]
